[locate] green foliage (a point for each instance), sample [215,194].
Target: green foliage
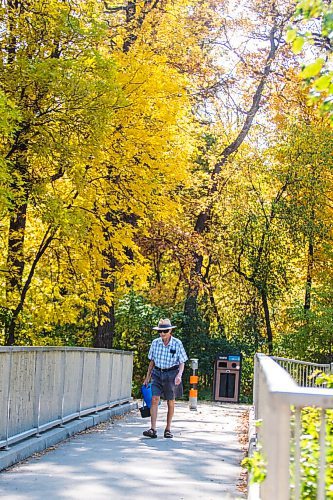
[9,116]
[256,466]
[317,17]
[310,423]
[325,378]
[311,338]
[310,452]
[135,317]
[313,69]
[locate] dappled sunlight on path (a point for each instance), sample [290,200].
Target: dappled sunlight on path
[114,460]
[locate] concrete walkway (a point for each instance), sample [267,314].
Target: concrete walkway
[114,461]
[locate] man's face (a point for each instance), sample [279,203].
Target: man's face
[165,334]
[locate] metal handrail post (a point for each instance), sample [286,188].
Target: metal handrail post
[256,386]
[97,380]
[8,397]
[63,385]
[110,377]
[38,382]
[81,383]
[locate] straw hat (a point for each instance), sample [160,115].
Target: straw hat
[164,324]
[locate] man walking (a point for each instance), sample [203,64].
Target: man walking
[167,357]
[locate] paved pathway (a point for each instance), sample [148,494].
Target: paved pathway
[114,461]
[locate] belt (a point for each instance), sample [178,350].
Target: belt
[166,369]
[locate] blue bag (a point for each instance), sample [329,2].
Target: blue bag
[147,394]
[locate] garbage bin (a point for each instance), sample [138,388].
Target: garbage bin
[227,375]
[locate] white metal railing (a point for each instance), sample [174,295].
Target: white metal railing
[278,402]
[303,372]
[42,387]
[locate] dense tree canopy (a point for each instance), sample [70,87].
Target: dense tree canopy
[160,158]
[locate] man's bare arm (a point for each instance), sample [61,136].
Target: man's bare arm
[150,369]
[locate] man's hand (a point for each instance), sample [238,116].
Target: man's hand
[178,379]
[146,381]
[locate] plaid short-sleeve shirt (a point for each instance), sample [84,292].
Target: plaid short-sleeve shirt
[165,356]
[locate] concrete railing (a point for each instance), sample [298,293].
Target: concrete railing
[278,402]
[42,387]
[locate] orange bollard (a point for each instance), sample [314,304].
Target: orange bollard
[193,396]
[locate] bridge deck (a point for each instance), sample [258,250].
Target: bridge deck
[114,461]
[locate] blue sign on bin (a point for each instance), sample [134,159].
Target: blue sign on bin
[233,358]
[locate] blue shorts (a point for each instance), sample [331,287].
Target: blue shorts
[163,384]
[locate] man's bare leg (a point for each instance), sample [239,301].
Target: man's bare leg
[171,411]
[153,411]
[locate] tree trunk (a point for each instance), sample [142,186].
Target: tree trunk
[16,234]
[134,20]
[268,322]
[203,219]
[11,327]
[308,288]
[104,333]
[190,307]
[10,332]
[105,330]
[15,255]
[220,324]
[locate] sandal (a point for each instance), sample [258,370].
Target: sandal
[167,434]
[151,433]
